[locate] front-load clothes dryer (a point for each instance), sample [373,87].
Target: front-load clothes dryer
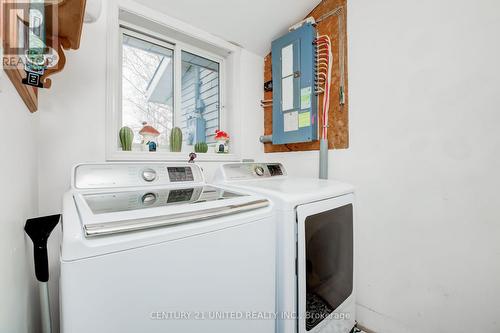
[150,247]
[315,245]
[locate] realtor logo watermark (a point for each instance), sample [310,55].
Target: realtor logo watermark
[244,315]
[27,33]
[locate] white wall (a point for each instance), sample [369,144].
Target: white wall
[424,81]
[424,93]
[18,202]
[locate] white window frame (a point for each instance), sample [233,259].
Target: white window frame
[116,27]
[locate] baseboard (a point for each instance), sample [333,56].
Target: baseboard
[364,329]
[372,321]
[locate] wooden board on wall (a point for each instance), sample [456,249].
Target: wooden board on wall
[11,15]
[338,121]
[63,31]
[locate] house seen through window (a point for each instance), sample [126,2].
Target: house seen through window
[200,97]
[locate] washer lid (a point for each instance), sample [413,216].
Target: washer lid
[105,213]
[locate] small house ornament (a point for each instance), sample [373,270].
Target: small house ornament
[149,137]
[221,142]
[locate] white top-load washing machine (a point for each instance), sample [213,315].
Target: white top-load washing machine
[315,276]
[153,248]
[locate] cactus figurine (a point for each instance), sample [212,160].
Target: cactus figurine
[176,140]
[201,147]
[126,138]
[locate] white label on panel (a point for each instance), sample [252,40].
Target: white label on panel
[287,93]
[287,60]
[291,121]
[305,98]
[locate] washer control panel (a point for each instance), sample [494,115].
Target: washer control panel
[180,174]
[113,175]
[275,169]
[242,171]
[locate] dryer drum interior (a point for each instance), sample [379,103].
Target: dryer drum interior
[329,262]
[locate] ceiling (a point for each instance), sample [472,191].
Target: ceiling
[253,24]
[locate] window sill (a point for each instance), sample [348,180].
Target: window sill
[168,156]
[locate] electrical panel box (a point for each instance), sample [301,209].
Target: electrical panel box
[295,106]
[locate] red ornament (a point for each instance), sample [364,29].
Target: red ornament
[221,135]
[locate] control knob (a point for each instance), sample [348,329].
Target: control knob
[148,199]
[148,175]
[259,171]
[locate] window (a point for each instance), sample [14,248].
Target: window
[166,73]
[165,84]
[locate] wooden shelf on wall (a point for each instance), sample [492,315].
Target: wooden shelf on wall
[338,129]
[62,33]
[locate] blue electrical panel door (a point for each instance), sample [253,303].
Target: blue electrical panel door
[295,106]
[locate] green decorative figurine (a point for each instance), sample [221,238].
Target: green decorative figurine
[126,138]
[176,140]
[201,147]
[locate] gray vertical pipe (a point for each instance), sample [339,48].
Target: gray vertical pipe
[323,159]
[45,307]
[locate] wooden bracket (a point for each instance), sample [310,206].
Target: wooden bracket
[65,32]
[47,83]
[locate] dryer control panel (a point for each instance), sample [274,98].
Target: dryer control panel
[114,175]
[243,171]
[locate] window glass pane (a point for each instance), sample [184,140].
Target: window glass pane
[200,98]
[147,87]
